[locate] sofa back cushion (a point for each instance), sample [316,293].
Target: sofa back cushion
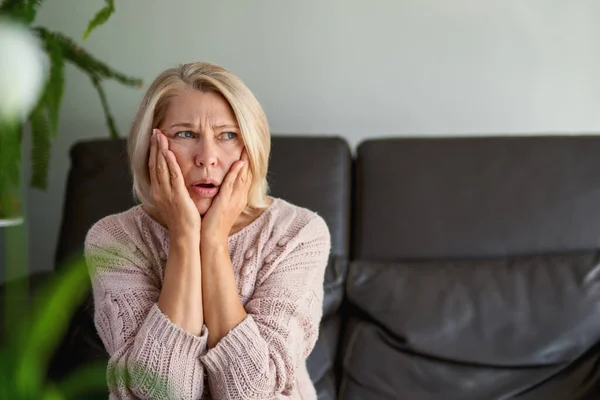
[476,197]
[475,271]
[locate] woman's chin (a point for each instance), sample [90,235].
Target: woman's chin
[203,205]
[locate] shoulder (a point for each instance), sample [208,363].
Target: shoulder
[294,223]
[293,239]
[113,228]
[126,234]
[287,253]
[121,251]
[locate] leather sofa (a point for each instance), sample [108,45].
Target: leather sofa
[461,268]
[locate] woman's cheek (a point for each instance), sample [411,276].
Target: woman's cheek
[181,150]
[237,148]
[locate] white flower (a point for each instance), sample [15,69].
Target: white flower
[23,70]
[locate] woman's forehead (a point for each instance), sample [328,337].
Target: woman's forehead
[195,107]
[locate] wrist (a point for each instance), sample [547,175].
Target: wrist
[184,238]
[213,244]
[212,237]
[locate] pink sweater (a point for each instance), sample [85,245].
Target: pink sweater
[279,262]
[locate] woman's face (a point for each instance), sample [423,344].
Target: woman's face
[204,135]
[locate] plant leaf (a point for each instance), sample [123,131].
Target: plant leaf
[8,5]
[51,392]
[109,118]
[40,147]
[85,61]
[94,68]
[93,377]
[23,10]
[52,312]
[10,151]
[6,381]
[83,380]
[10,161]
[56,83]
[100,18]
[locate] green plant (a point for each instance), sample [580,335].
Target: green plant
[43,119]
[33,332]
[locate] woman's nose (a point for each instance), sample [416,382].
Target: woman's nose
[206,154]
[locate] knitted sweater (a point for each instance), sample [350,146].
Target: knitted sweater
[279,263]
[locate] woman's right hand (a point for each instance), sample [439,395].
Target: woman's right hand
[168,190]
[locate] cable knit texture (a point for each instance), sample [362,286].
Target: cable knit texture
[279,262]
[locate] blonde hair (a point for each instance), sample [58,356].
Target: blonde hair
[205,77]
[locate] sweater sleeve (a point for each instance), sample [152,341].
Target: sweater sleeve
[150,357]
[258,359]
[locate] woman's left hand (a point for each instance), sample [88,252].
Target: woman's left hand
[228,204]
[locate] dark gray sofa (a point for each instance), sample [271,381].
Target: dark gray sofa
[462,268]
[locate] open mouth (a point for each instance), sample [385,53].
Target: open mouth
[205,189]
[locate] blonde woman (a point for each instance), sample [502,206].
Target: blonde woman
[208,288]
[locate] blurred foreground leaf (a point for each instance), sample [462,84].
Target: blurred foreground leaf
[83,380]
[40,330]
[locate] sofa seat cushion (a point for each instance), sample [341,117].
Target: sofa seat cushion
[471,327]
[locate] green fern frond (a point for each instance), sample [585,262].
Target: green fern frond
[13,7]
[40,147]
[84,60]
[22,10]
[10,159]
[8,5]
[10,152]
[100,18]
[110,121]
[56,83]
[44,119]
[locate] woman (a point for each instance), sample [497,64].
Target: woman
[209,288]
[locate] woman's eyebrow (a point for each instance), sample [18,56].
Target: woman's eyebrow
[182,125]
[193,126]
[226,126]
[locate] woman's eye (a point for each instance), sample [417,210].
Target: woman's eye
[228,135]
[185,134]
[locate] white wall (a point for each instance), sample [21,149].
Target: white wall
[355,68]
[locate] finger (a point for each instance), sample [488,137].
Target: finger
[244,173]
[242,183]
[244,157]
[249,176]
[242,176]
[152,159]
[242,189]
[230,179]
[162,170]
[175,174]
